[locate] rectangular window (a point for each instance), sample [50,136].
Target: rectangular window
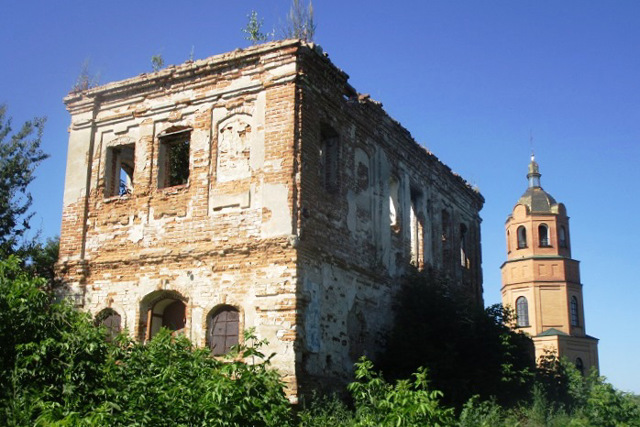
[173,159]
[119,170]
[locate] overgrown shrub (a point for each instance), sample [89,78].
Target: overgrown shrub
[467,349]
[58,369]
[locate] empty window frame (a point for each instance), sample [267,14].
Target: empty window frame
[522,237]
[330,159]
[223,329]
[169,313]
[522,312]
[417,230]
[173,158]
[562,237]
[119,169]
[543,236]
[573,309]
[464,259]
[394,203]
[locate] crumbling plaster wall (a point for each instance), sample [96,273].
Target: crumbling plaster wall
[314,267]
[356,243]
[224,237]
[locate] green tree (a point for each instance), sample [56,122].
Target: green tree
[467,349]
[253,29]
[20,154]
[40,258]
[300,23]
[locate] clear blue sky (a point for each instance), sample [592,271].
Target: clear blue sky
[469,79]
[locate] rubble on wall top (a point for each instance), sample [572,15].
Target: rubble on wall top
[191,67]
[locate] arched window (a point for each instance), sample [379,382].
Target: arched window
[575,321]
[508,242]
[223,329]
[168,313]
[580,365]
[543,235]
[111,320]
[562,236]
[522,312]
[522,237]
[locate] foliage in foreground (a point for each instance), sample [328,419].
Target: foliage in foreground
[467,349]
[20,154]
[58,369]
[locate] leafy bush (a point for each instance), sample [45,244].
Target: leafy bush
[324,411]
[58,369]
[407,403]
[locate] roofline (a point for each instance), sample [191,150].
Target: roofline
[188,68]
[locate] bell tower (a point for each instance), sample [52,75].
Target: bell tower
[541,281]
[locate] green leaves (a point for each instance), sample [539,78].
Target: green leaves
[59,369]
[20,154]
[407,403]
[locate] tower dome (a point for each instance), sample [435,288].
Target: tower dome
[535,198]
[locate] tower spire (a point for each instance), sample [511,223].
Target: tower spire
[534,172]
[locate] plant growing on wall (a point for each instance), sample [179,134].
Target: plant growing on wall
[86,79]
[300,22]
[253,29]
[157,62]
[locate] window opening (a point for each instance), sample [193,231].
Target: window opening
[464,259]
[329,159]
[394,205]
[111,320]
[169,313]
[522,312]
[508,242]
[580,365]
[446,238]
[417,230]
[574,311]
[223,330]
[119,170]
[173,159]
[562,238]
[543,235]
[522,237]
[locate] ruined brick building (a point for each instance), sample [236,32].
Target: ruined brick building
[256,189]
